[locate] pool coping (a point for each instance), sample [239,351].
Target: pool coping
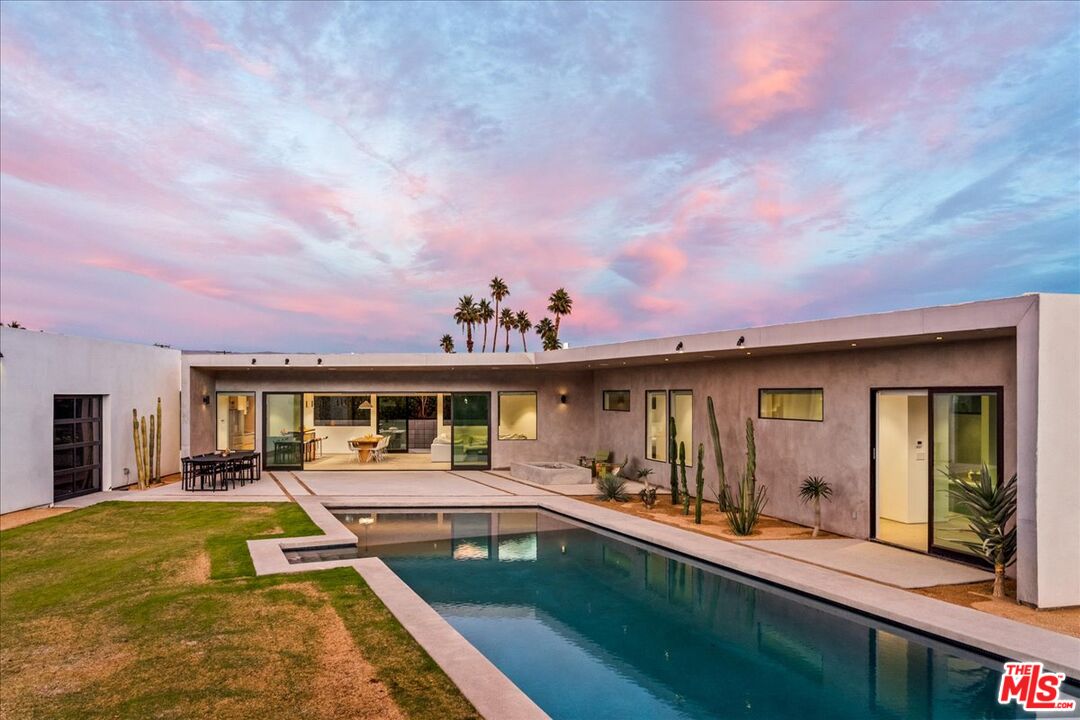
[989,634]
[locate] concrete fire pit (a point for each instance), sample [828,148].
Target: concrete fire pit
[551,473]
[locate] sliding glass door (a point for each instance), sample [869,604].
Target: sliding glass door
[471,431]
[283,431]
[966,443]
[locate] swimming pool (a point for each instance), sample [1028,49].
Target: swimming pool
[591,625]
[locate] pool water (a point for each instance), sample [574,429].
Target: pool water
[594,626]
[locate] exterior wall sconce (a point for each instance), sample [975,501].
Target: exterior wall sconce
[286,361]
[679,347]
[319,361]
[253,361]
[562,399]
[741,341]
[205,399]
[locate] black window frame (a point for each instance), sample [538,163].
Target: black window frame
[498,422]
[667,416]
[761,395]
[604,400]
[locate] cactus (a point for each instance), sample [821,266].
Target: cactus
[672,461]
[682,485]
[747,506]
[157,458]
[723,498]
[150,453]
[699,482]
[138,449]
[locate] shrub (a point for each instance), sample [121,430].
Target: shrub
[611,487]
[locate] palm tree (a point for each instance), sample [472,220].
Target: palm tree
[546,330]
[486,315]
[447,344]
[990,507]
[467,314]
[560,304]
[509,321]
[817,489]
[523,324]
[499,291]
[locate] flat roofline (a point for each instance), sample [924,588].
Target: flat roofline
[972,320]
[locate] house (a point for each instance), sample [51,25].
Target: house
[886,407]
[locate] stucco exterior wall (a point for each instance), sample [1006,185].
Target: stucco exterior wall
[36,366]
[788,450]
[563,432]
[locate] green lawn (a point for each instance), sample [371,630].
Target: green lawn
[143,610]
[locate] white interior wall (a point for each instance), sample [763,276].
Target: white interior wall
[901,461]
[37,366]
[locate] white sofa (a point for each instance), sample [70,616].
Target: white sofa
[440,449]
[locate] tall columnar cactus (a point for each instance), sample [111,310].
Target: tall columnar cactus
[723,498]
[672,461]
[150,453]
[750,500]
[699,482]
[157,459]
[138,448]
[682,484]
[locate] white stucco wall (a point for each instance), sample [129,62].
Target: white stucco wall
[1048,445]
[36,366]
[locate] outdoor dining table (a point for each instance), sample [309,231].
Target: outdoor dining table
[213,466]
[363,447]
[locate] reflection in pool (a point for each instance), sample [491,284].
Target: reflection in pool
[594,626]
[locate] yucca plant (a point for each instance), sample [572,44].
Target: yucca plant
[817,489]
[611,487]
[749,501]
[991,507]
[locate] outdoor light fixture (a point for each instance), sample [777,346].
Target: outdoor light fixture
[319,361]
[678,348]
[286,361]
[252,361]
[205,399]
[741,341]
[939,338]
[562,399]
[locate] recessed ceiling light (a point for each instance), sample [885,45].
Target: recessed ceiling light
[749,353]
[939,338]
[665,359]
[854,344]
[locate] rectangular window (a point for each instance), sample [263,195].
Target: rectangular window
[617,400]
[656,425]
[517,415]
[235,421]
[682,412]
[792,404]
[343,410]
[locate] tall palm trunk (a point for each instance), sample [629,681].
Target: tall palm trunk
[557,319]
[495,334]
[817,516]
[483,348]
[999,580]
[468,336]
[524,347]
[507,340]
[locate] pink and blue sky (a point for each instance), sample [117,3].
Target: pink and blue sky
[332,177]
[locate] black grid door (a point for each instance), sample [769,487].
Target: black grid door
[76,445]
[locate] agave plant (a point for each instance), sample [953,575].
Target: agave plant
[991,507]
[749,500]
[611,487]
[817,489]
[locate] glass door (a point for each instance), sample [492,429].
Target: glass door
[965,442]
[392,416]
[471,431]
[283,431]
